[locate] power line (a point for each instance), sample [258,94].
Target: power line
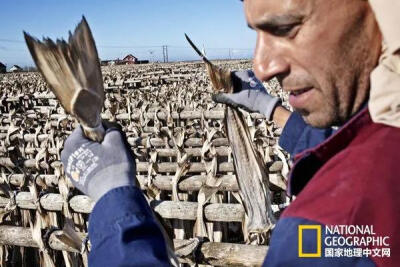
[140,46]
[214,48]
[134,47]
[11,41]
[177,52]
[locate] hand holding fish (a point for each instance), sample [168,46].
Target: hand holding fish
[249,93]
[97,168]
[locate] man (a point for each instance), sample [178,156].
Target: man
[346,187]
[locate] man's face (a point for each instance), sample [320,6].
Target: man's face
[322,52]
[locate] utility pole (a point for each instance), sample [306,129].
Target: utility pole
[165,53]
[230,56]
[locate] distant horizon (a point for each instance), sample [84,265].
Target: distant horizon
[34,68]
[217,26]
[216,54]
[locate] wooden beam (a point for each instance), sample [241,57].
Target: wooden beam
[218,212]
[212,253]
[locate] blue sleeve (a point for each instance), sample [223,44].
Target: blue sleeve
[284,248]
[123,231]
[298,136]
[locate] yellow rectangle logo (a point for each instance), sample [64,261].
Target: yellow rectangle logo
[317,254]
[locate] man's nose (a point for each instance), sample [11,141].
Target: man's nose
[269,60]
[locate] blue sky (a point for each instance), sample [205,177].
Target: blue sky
[139,27]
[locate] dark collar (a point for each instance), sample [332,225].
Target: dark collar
[308,162]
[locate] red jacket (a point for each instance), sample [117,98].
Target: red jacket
[353,178]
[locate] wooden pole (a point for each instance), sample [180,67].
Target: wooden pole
[217,254]
[216,114]
[220,212]
[162,167]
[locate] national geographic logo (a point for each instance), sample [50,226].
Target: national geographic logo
[317,230]
[341,241]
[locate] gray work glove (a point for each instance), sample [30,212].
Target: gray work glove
[249,93]
[96,168]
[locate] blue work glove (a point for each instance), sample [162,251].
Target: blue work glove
[96,168]
[249,93]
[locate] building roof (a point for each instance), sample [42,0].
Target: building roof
[129,56]
[16,67]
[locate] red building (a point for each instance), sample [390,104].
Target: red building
[129,59]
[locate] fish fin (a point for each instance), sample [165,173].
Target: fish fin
[69,68]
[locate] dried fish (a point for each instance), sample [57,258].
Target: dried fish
[147,101]
[73,72]
[253,181]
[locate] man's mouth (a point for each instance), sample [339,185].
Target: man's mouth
[300,98]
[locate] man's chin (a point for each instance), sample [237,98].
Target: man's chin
[316,120]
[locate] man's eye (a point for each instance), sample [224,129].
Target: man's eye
[284,30]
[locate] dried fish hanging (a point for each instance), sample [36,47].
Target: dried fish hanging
[37,127]
[208,190]
[253,182]
[73,72]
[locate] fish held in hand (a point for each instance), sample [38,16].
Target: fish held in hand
[72,70]
[253,182]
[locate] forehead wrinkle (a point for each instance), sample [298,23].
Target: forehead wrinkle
[269,13]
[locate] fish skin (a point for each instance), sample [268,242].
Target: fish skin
[253,182]
[72,70]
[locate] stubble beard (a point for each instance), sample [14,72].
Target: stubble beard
[349,84]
